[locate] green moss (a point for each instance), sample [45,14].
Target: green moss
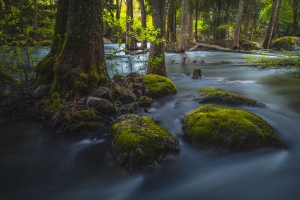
[44,70]
[138,141]
[207,95]
[158,85]
[85,126]
[145,101]
[289,40]
[228,128]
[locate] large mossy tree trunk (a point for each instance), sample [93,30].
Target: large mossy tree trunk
[157,64]
[77,53]
[44,69]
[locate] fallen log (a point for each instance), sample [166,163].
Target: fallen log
[208,46]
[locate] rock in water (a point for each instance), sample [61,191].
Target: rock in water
[228,128]
[197,74]
[139,143]
[99,104]
[104,93]
[157,86]
[211,95]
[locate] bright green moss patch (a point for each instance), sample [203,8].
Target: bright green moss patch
[139,143]
[158,85]
[211,95]
[228,128]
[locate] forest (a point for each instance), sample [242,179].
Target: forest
[102,93]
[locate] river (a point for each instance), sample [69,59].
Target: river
[37,164]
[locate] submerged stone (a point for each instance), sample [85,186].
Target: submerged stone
[228,128]
[157,86]
[139,143]
[211,95]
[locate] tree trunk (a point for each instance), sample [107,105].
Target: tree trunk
[238,26]
[35,16]
[108,31]
[118,10]
[210,46]
[44,69]
[171,32]
[80,66]
[143,22]
[196,21]
[157,63]
[295,18]
[276,23]
[130,41]
[269,35]
[182,43]
[190,25]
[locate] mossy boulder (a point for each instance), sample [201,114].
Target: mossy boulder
[288,43]
[157,86]
[228,128]
[212,95]
[139,143]
[145,101]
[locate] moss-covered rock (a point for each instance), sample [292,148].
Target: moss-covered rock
[228,128]
[139,143]
[288,43]
[212,95]
[145,101]
[158,86]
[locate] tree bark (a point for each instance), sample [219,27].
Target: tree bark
[35,16]
[130,41]
[238,25]
[44,69]
[208,46]
[80,65]
[196,21]
[190,25]
[268,39]
[143,22]
[157,64]
[171,32]
[182,43]
[295,18]
[276,23]
[118,10]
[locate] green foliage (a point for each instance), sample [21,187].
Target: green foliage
[286,60]
[56,103]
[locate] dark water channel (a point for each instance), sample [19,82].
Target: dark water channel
[37,165]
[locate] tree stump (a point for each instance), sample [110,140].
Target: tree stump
[197,74]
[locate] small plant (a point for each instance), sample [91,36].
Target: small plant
[56,104]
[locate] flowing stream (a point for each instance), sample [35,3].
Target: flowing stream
[37,164]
